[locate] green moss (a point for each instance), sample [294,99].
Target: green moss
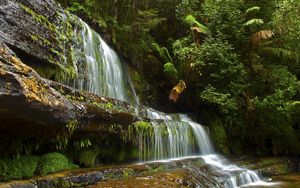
[140,128]
[134,153]
[18,168]
[54,162]
[108,105]
[128,172]
[219,135]
[34,38]
[87,156]
[62,34]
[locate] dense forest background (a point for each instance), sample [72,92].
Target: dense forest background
[238,58]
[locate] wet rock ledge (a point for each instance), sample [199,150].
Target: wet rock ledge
[31,106]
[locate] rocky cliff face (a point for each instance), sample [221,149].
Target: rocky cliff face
[40,32]
[39,115]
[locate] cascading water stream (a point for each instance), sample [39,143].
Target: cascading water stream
[100,71]
[187,138]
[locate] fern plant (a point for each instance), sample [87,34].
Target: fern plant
[164,54]
[195,25]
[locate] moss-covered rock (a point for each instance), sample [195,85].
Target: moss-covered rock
[87,156]
[28,166]
[18,168]
[53,162]
[219,136]
[41,36]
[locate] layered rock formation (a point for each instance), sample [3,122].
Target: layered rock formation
[40,32]
[32,106]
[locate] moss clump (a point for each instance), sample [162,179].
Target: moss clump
[54,162]
[87,156]
[143,127]
[139,128]
[18,168]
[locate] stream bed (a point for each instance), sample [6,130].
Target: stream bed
[184,172]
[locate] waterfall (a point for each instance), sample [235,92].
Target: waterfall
[100,71]
[175,136]
[178,136]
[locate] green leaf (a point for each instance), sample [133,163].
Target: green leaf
[163,52]
[170,69]
[279,52]
[253,22]
[252,9]
[191,20]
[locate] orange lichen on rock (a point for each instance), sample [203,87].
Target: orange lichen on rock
[177,90]
[2,71]
[21,66]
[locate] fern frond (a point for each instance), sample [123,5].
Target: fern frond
[191,20]
[266,43]
[279,52]
[155,47]
[170,69]
[163,52]
[295,103]
[252,9]
[260,36]
[253,22]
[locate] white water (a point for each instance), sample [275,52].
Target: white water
[187,138]
[100,71]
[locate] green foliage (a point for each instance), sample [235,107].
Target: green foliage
[82,143]
[28,166]
[279,52]
[254,22]
[139,128]
[252,9]
[240,75]
[170,69]
[191,20]
[218,65]
[53,162]
[225,19]
[186,7]
[219,135]
[224,101]
[18,168]
[71,125]
[163,52]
